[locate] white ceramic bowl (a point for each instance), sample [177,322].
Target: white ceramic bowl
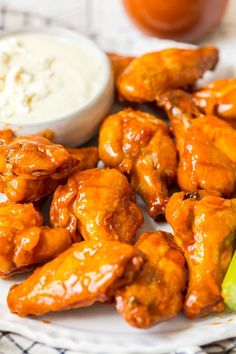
[79,126]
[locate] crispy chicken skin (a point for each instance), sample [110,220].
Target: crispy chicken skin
[119,63]
[157,293]
[218,98]
[23,240]
[87,272]
[206,146]
[32,166]
[139,145]
[204,227]
[98,203]
[155,72]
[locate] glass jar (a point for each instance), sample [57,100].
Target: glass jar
[183,20]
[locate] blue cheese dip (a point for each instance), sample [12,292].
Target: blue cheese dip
[44,77]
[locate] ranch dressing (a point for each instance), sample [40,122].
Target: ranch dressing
[44,77]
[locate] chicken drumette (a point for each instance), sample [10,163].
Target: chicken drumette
[155,72]
[31,167]
[24,241]
[157,293]
[89,271]
[98,203]
[206,145]
[204,227]
[218,98]
[139,145]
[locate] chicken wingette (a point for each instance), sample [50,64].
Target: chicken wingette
[89,271]
[152,73]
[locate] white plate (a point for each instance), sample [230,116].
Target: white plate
[99,329]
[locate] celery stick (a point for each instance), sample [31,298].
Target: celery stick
[229,285]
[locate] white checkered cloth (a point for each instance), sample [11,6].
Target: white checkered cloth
[15,344]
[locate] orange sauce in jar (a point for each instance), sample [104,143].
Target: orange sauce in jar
[185,20]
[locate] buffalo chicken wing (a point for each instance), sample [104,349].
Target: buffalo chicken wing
[24,241]
[157,293]
[139,145]
[32,166]
[206,146]
[155,72]
[87,272]
[98,203]
[204,227]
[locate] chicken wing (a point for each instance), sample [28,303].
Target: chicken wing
[154,72]
[157,293]
[98,203]
[32,166]
[89,271]
[218,98]
[119,63]
[204,227]
[206,146]
[139,145]
[23,240]
[35,157]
